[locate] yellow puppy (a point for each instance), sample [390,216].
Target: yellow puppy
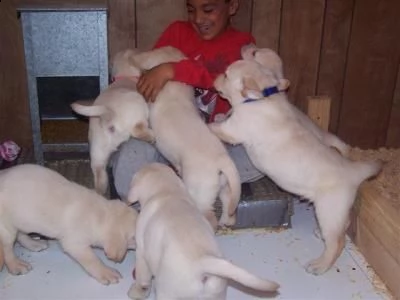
[37,199]
[176,244]
[280,145]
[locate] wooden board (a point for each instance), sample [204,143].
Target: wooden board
[375,230]
[266,23]
[121,26]
[153,18]
[335,42]
[15,121]
[242,19]
[318,109]
[372,63]
[300,42]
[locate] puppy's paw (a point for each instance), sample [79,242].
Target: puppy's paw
[138,292]
[317,266]
[107,276]
[36,245]
[18,267]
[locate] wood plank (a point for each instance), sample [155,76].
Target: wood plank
[393,132]
[266,23]
[335,42]
[382,218]
[242,19]
[378,258]
[61,4]
[14,106]
[159,13]
[299,46]
[371,73]
[121,26]
[318,109]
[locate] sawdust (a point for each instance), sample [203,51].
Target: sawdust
[387,182]
[256,231]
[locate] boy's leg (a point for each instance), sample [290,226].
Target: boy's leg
[247,171]
[132,156]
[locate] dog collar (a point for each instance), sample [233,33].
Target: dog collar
[133,78]
[266,93]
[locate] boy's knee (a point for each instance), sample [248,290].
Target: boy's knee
[131,157]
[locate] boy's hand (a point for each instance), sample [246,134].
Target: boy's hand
[151,82]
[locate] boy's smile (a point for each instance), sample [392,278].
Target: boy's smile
[210,17]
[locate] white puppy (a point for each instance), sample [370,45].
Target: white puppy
[117,114]
[37,199]
[282,147]
[271,60]
[185,140]
[176,244]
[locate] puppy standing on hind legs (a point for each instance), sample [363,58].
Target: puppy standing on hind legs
[176,244]
[275,139]
[117,114]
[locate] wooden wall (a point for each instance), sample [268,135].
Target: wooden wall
[346,49]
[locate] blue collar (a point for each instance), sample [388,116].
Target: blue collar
[266,93]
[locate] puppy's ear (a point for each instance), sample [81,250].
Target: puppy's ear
[251,89]
[283,84]
[115,247]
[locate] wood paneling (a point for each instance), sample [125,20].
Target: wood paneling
[154,16]
[14,111]
[266,23]
[335,42]
[300,45]
[348,50]
[393,132]
[121,26]
[242,19]
[371,73]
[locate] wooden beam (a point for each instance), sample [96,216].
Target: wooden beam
[319,109]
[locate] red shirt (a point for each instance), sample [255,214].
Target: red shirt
[206,58]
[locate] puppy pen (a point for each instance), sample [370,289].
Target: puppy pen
[346,50]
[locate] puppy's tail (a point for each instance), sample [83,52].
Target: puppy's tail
[223,268]
[231,174]
[366,169]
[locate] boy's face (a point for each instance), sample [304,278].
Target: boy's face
[210,17]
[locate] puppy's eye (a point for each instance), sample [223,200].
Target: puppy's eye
[111,129]
[254,52]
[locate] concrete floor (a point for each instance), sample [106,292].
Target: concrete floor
[277,255]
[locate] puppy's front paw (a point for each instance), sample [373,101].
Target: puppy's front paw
[317,266]
[107,276]
[18,267]
[138,292]
[37,245]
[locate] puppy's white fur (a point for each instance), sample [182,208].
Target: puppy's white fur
[117,114]
[185,140]
[37,199]
[285,149]
[176,244]
[271,60]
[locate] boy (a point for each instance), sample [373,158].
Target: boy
[211,44]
